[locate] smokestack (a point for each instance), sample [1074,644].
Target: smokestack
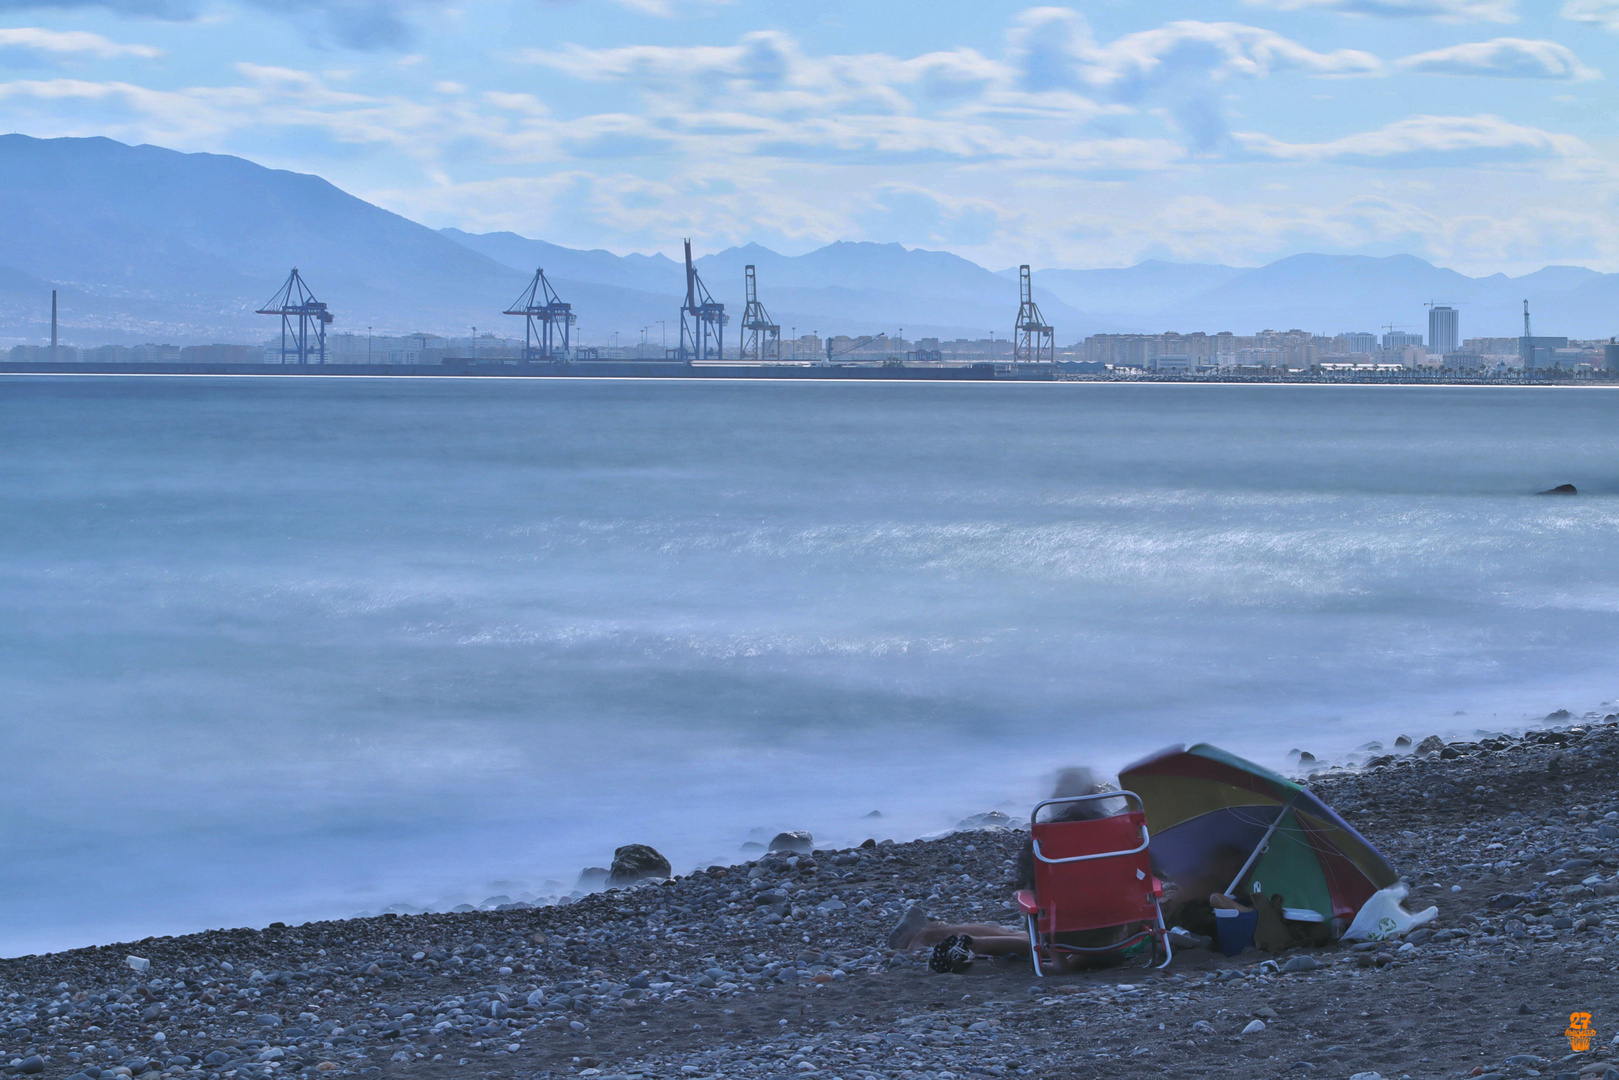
[53,326]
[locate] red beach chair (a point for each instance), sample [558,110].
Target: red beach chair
[1092,875]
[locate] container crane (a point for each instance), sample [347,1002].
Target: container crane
[294,301]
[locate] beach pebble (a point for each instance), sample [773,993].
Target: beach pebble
[1301,963]
[1254,1027]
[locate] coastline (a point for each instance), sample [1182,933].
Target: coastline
[1508,836]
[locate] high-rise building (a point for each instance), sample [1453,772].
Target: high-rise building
[1444,329]
[1361,341]
[1399,339]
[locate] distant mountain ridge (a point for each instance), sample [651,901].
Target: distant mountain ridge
[148,244]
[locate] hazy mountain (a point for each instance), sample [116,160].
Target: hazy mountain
[1147,289]
[647,273]
[144,243]
[194,242]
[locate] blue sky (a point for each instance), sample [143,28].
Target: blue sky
[1474,133]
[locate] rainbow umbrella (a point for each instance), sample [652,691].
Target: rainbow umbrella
[1222,824]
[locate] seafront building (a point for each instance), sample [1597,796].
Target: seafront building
[1444,330]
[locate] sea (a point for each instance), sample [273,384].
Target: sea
[283,649]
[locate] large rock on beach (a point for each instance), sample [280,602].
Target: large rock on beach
[799,842]
[637,862]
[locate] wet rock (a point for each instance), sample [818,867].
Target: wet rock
[993,819]
[1561,489]
[593,877]
[797,841]
[1433,744]
[31,1065]
[637,862]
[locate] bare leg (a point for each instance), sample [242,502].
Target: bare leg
[988,939]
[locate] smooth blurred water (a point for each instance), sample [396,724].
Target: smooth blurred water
[293,648]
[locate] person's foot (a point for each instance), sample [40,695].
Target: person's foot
[910,924]
[953,955]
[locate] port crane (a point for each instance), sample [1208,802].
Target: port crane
[761,338]
[1033,339]
[702,320]
[546,320]
[294,302]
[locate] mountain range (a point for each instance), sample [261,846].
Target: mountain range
[148,244]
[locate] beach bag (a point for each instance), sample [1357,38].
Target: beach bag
[1384,916]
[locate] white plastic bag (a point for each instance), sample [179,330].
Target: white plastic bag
[1384,916]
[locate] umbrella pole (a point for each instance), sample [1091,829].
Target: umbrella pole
[1264,842]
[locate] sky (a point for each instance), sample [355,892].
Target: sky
[1477,134]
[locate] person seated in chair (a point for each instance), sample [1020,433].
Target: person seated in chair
[955,944]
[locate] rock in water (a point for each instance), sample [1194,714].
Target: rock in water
[636,862]
[799,841]
[994,819]
[1561,489]
[1431,745]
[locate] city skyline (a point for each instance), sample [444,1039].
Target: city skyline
[1471,133]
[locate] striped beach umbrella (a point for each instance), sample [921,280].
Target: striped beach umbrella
[1223,824]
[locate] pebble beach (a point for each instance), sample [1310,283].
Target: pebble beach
[778,966]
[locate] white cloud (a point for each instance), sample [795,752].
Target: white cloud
[1054,48]
[1427,140]
[958,104]
[354,24]
[71,42]
[670,9]
[1604,13]
[1445,10]
[1516,58]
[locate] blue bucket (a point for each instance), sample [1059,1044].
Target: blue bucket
[1236,929]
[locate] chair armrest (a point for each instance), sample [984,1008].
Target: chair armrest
[1025,901]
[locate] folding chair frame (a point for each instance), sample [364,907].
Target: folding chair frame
[1032,911]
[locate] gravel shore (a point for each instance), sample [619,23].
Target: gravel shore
[777,967]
